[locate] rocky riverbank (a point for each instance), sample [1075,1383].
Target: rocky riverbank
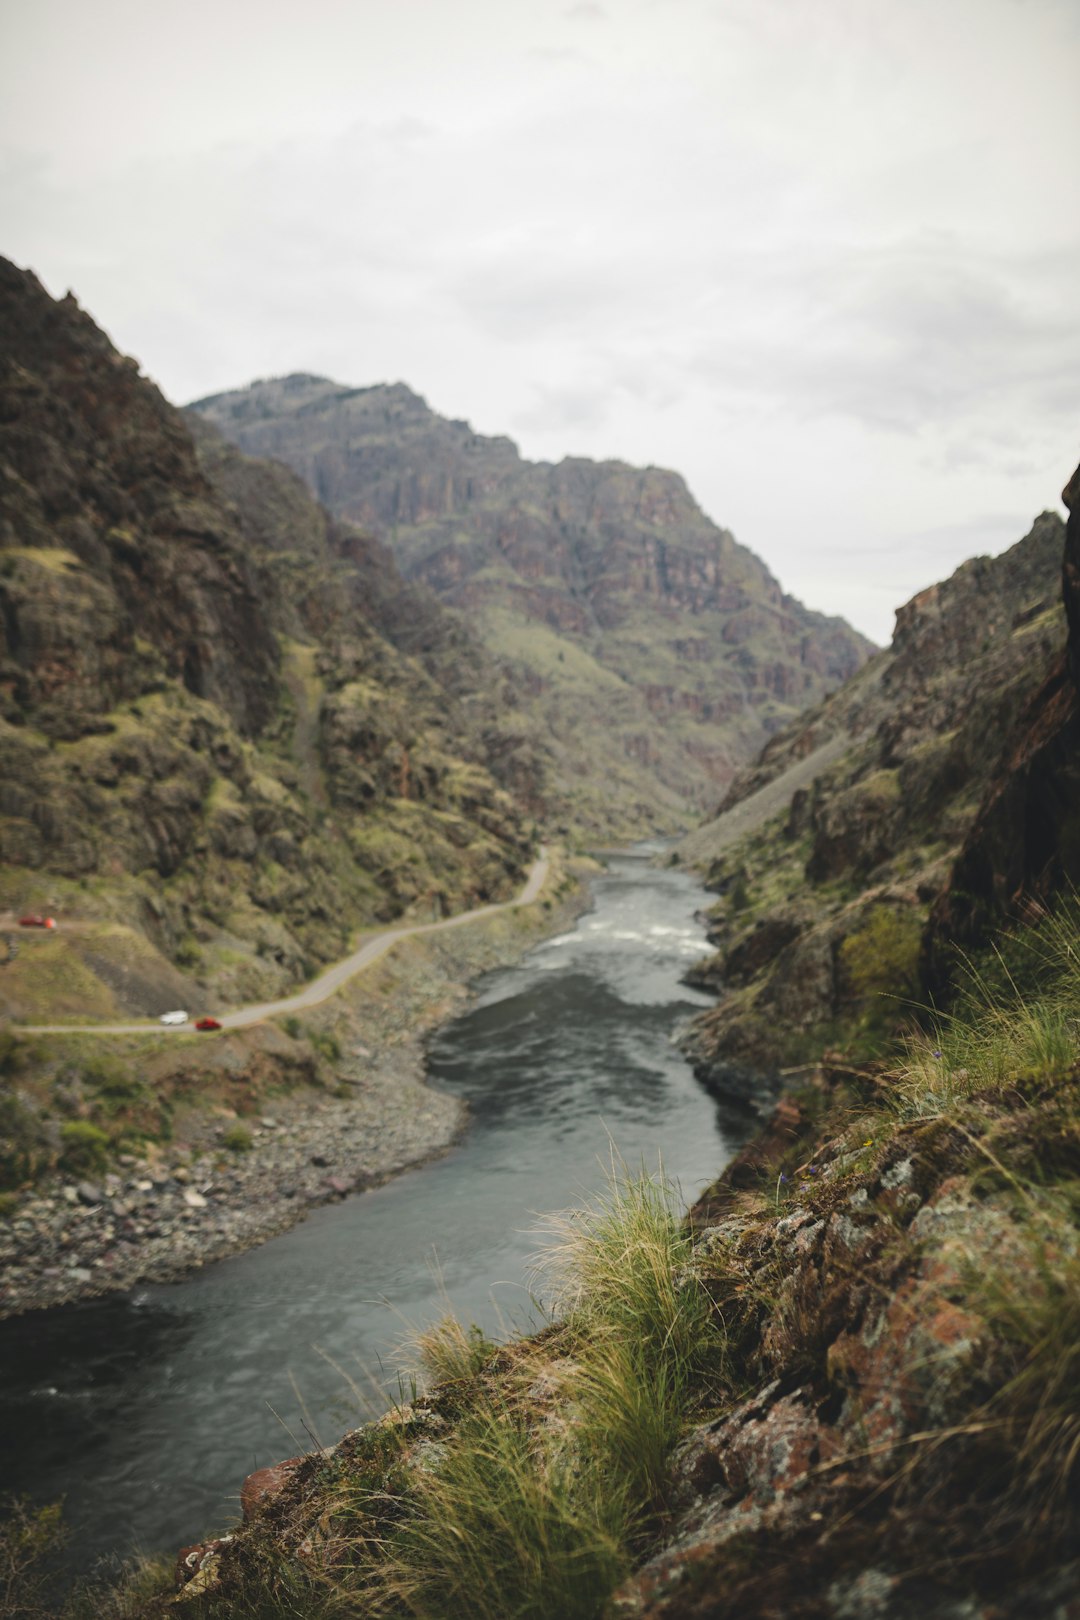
[229,1180]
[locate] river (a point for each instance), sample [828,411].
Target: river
[147,1410]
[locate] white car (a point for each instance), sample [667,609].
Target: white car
[178,1017]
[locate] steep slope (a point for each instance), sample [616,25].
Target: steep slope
[656,653]
[214,752]
[850,1387]
[1024,846]
[823,907]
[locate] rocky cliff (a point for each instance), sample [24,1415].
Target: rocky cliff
[654,652]
[230,733]
[822,909]
[851,1389]
[1024,846]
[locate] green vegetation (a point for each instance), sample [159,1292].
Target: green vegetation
[31,1540]
[449,1352]
[554,1478]
[1034,1437]
[1014,1019]
[24,1144]
[237,1139]
[880,966]
[542,1520]
[84,1149]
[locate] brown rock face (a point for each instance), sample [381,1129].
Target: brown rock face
[1024,846]
[266,1483]
[226,721]
[819,925]
[118,565]
[655,651]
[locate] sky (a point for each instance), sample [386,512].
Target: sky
[822,259]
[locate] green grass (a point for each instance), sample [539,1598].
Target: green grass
[541,1519]
[237,1139]
[449,1352]
[84,1149]
[550,1481]
[1033,1417]
[1015,1020]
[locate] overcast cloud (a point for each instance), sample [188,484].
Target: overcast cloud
[820,259]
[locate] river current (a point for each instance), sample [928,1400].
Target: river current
[146,1411]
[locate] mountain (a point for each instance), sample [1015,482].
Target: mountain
[654,652]
[850,823]
[230,732]
[1023,848]
[845,1385]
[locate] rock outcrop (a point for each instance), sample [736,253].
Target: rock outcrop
[227,725]
[654,652]
[1024,846]
[822,909]
[886,1427]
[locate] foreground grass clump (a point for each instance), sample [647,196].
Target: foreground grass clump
[31,1541]
[532,1477]
[557,1476]
[1016,1017]
[1036,1412]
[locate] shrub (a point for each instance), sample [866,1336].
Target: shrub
[237,1139]
[882,957]
[327,1045]
[115,1084]
[30,1538]
[24,1146]
[84,1149]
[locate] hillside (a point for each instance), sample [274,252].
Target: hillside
[230,734]
[820,920]
[846,1387]
[654,653]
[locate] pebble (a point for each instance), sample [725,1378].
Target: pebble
[68,1241]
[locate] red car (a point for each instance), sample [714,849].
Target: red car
[207,1023]
[37,922]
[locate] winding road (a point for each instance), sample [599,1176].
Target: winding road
[329,981]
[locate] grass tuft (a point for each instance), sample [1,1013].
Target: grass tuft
[1016,1019]
[1039,1405]
[451,1353]
[535,1506]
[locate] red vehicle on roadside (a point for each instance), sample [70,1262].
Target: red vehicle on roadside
[33,921]
[207,1023]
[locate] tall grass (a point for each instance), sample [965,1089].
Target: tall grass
[1016,1018]
[1038,1407]
[536,1513]
[507,1527]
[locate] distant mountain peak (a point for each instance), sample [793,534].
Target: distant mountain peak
[656,652]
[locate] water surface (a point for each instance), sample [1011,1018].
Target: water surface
[147,1410]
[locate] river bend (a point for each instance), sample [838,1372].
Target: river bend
[147,1410]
